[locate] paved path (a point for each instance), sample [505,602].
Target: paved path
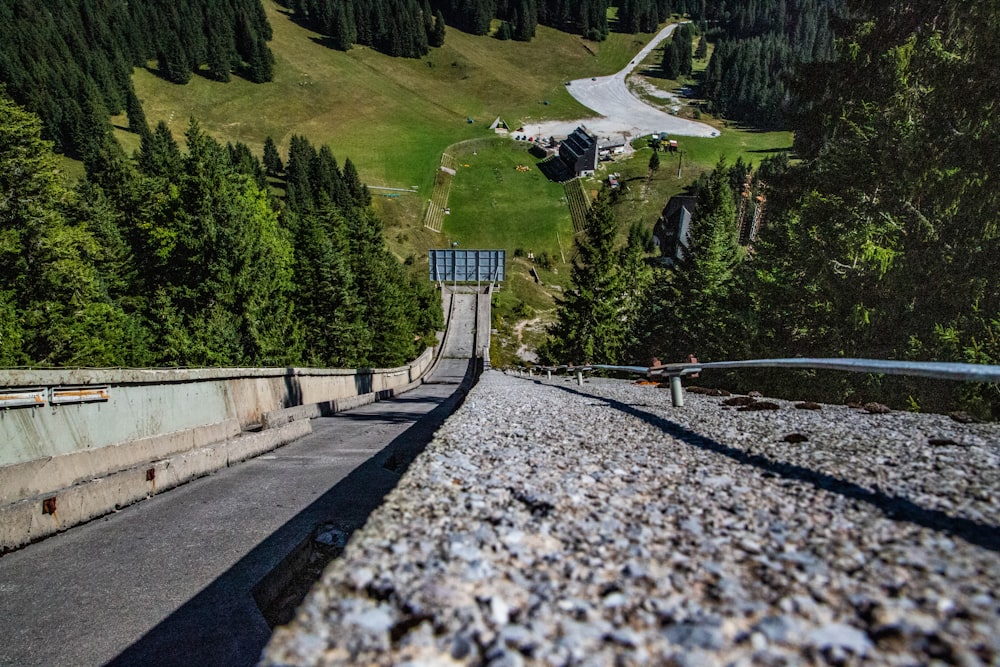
[622,114]
[169,581]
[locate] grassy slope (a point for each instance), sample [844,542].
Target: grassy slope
[495,206]
[393,117]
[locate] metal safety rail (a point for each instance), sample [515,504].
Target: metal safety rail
[928,369]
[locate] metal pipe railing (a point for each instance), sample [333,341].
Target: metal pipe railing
[929,369]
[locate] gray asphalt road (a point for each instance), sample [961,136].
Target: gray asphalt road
[168,581]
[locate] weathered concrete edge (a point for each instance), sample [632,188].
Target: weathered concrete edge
[29,520]
[121,376]
[278,418]
[48,475]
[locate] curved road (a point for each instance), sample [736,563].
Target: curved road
[621,112]
[170,580]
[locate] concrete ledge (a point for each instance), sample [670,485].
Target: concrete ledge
[255,444]
[41,476]
[277,418]
[30,519]
[148,403]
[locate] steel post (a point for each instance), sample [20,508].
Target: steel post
[676,394]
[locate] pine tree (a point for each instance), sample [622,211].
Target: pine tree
[358,191]
[298,185]
[325,292]
[690,310]
[159,154]
[895,249]
[136,116]
[701,52]
[31,191]
[173,61]
[272,159]
[637,276]
[436,37]
[683,36]
[525,19]
[245,162]
[342,31]
[382,287]
[671,63]
[590,326]
[260,66]
[52,294]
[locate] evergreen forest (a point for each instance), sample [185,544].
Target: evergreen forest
[71,62]
[881,242]
[759,45]
[185,258]
[878,241]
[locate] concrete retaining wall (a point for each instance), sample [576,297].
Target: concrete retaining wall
[31,519]
[157,429]
[151,403]
[484,326]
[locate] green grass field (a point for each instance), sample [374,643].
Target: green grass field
[394,117]
[391,116]
[493,205]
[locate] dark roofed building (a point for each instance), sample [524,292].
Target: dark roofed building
[671,231]
[579,152]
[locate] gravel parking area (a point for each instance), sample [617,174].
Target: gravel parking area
[550,524]
[620,113]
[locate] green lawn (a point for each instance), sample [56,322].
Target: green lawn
[493,205]
[391,116]
[395,116]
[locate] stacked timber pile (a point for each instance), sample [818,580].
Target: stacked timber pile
[549,524]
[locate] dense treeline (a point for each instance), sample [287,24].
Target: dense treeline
[71,62]
[881,243]
[647,15]
[759,45]
[409,27]
[588,18]
[185,258]
[584,17]
[678,53]
[394,27]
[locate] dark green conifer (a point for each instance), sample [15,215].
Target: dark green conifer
[436,37]
[272,159]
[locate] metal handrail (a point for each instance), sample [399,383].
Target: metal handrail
[929,369]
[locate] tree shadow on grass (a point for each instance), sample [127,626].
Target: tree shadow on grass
[783,149]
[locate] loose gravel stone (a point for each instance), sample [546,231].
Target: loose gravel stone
[549,524]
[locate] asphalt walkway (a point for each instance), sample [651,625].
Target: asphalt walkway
[170,580]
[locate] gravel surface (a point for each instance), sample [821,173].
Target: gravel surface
[549,524]
[622,114]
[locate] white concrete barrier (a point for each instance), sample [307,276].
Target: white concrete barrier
[63,464]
